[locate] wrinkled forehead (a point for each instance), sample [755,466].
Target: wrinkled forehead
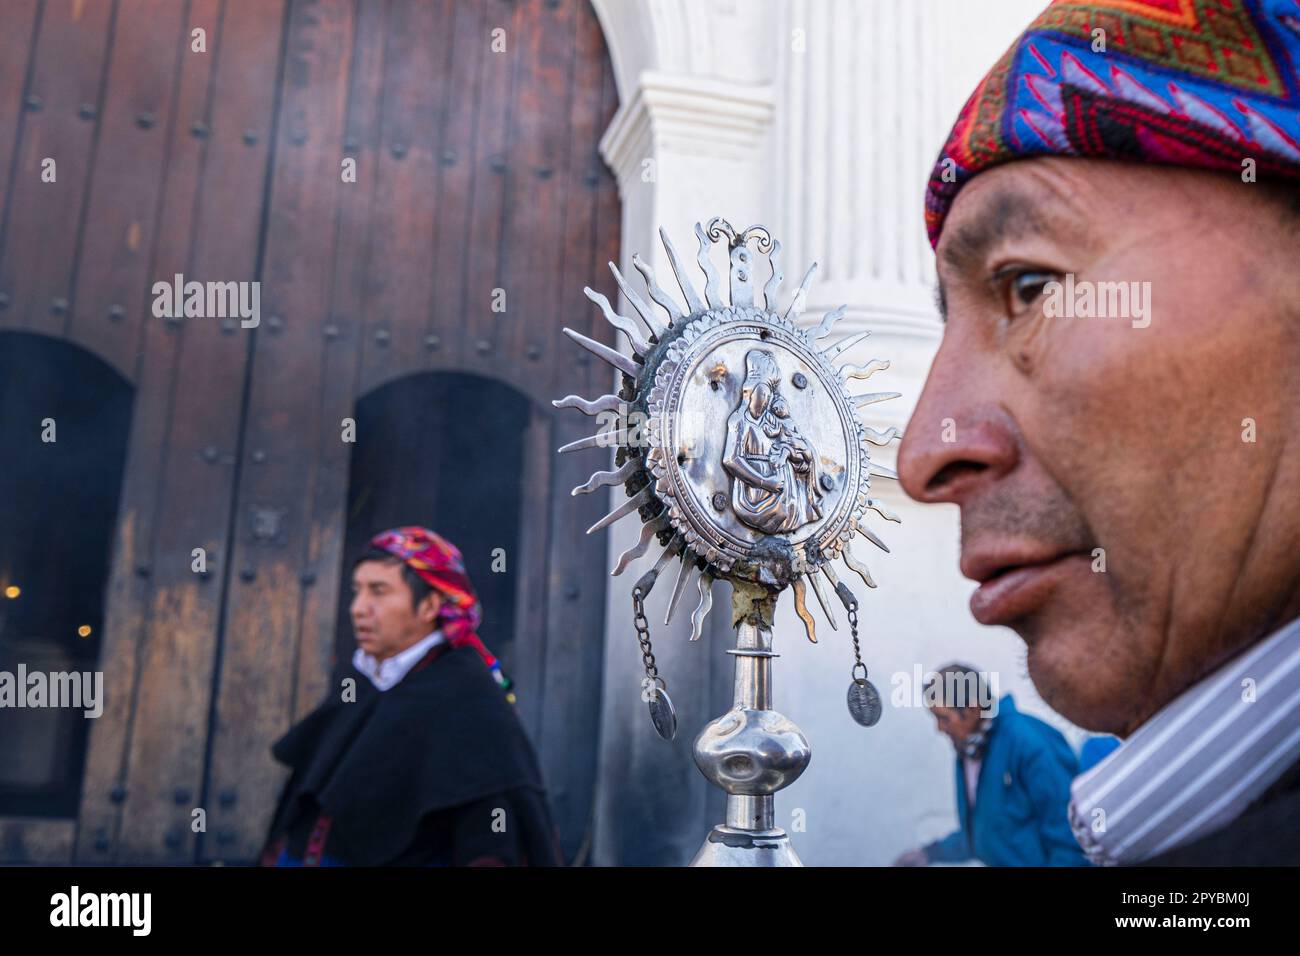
[1045,197]
[1084,204]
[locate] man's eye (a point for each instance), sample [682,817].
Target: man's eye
[1024,287]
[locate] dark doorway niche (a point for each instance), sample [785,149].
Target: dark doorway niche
[443,450]
[58,511]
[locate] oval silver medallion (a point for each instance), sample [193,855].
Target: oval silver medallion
[662,713]
[864,702]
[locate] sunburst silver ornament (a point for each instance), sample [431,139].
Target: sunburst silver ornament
[739,448]
[689,455]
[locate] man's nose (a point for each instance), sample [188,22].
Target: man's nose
[958,440]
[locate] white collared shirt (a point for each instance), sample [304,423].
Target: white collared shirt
[389,672]
[1197,764]
[972,767]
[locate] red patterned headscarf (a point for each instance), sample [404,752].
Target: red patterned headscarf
[439,563]
[1200,83]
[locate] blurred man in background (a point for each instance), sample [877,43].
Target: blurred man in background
[420,759]
[1013,776]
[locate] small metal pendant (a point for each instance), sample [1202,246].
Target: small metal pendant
[662,713]
[864,702]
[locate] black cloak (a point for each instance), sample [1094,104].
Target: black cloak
[387,764]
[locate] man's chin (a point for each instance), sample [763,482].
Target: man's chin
[1085,672]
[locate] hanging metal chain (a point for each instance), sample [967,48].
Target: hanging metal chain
[643,638]
[863,698]
[654,688]
[857,650]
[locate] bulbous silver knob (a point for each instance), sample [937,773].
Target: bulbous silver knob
[752,752]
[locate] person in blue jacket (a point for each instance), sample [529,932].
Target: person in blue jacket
[1096,749]
[1013,776]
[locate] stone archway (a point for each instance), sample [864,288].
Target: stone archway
[65,417]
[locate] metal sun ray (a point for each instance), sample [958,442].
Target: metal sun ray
[642,497]
[648,531]
[643,309]
[815,580]
[711,293]
[801,608]
[878,506]
[705,585]
[772,288]
[606,403]
[871,398]
[605,439]
[881,438]
[801,295]
[605,353]
[661,298]
[828,323]
[693,301]
[684,573]
[857,566]
[845,343]
[603,479]
[647,581]
[844,594]
[848,370]
[621,322]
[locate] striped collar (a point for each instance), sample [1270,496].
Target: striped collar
[1198,763]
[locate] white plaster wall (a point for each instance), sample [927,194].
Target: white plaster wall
[830,146]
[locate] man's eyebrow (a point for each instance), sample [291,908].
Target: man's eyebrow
[1008,214]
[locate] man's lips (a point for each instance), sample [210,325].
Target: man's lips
[1015,583]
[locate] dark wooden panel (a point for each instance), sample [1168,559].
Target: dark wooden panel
[477,170]
[16,48]
[589,190]
[466,323]
[401,254]
[135,127]
[153,348]
[164,776]
[528,566]
[328,491]
[533,251]
[459,172]
[608,229]
[37,272]
[501,198]
[36,841]
[575,630]
[257,673]
[577,574]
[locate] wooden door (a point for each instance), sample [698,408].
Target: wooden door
[479,209]
[478,185]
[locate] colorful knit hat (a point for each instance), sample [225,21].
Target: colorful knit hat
[439,563]
[1201,83]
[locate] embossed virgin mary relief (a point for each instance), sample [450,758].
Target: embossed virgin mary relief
[773,469]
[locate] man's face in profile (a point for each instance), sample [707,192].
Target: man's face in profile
[383,618]
[1110,506]
[956,723]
